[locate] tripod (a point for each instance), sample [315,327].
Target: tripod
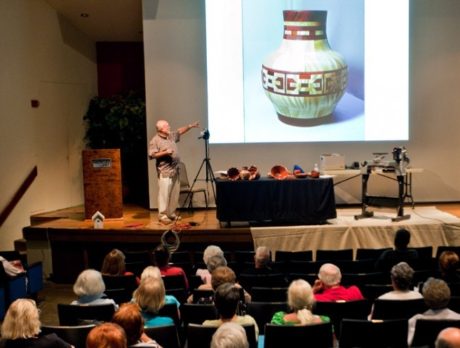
[209,174]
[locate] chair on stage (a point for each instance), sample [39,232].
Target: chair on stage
[426,331]
[313,335]
[185,187]
[74,334]
[76,315]
[373,333]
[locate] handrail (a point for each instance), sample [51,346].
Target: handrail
[18,195]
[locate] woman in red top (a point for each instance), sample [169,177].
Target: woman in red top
[161,255]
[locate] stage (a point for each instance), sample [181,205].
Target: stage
[67,243]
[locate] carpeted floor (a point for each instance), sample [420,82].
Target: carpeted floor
[50,297]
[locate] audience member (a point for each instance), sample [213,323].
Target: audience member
[114,264]
[230,335]
[213,262]
[401,280]
[21,328]
[449,263]
[436,294]
[327,287]
[12,268]
[107,335]
[226,300]
[150,297]
[210,251]
[262,260]
[400,253]
[161,255]
[130,319]
[300,300]
[224,274]
[90,288]
[448,338]
[154,272]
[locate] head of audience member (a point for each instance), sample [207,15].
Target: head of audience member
[230,335]
[262,257]
[448,338]
[161,255]
[114,263]
[107,335]
[226,300]
[215,261]
[210,251]
[21,320]
[150,272]
[150,295]
[402,239]
[221,275]
[89,283]
[436,293]
[448,262]
[129,317]
[401,276]
[301,299]
[330,275]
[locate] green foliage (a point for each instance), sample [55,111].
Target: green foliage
[116,122]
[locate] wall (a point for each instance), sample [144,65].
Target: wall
[174,49]
[44,58]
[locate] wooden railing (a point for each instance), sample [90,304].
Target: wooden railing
[18,195]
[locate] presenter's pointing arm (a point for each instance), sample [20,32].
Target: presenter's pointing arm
[185,129]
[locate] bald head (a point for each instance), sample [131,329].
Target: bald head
[330,274]
[448,338]
[162,126]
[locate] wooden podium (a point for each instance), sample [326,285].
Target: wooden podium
[102,183]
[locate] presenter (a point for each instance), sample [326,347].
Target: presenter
[163,148]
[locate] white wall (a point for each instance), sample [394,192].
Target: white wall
[44,58]
[174,47]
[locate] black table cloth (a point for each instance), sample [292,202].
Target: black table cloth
[303,200]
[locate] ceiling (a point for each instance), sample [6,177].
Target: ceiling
[106,20]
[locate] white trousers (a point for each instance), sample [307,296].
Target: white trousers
[168,196]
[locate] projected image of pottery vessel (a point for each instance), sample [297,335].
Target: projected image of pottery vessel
[304,78]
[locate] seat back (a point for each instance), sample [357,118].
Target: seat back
[426,331]
[268,294]
[199,336]
[282,255]
[262,312]
[35,278]
[203,296]
[170,310]
[332,255]
[127,282]
[337,311]
[183,177]
[15,287]
[373,291]
[75,335]
[397,309]
[369,253]
[197,313]
[373,334]
[119,295]
[262,280]
[165,335]
[314,335]
[75,314]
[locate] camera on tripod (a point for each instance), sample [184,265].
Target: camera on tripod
[204,134]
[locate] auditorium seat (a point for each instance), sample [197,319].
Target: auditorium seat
[75,315]
[305,255]
[75,334]
[330,255]
[263,312]
[314,335]
[166,335]
[369,253]
[397,309]
[426,331]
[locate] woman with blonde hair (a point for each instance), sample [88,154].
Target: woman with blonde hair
[90,288]
[154,272]
[150,297]
[300,300]
[21,327]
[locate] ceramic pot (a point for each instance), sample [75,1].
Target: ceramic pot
[304,78]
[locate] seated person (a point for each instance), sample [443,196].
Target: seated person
[262,260]
[21,328]
[449,263]
[150,297]
[213,262]
[130,319]
[448,338]
[154,272]
[436,294]
[107,335]
[90,287]
[328,289]
[226,300]
[210,251]
[401,280]
[161,255]
[300,299]
[401,252]
[12,268]
[230,335]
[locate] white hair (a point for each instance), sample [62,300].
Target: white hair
[330,274]
[89,282]
[212,250]
[230,335]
